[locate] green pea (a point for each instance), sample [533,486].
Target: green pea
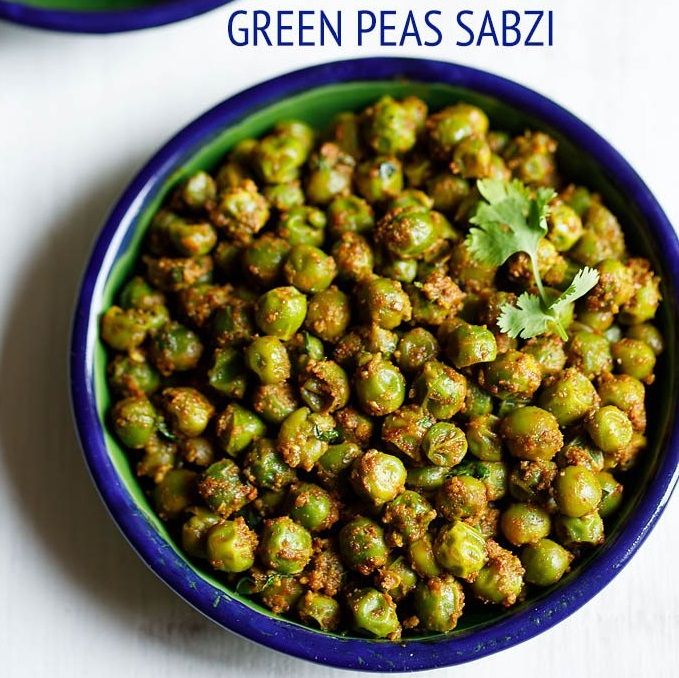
[461,497]
[500,581]
[590,353]
[610,429]
[336,460]
[407,233]
[649,334]
[378,477]
[438,603]
[231,546]
[531,433]
[350,214]
[643,305]
[444,444]
[324,386]
[565,226]
[263,260]
[545,562]
[524,524]
[404,430]
[346,131]
[134,421]
[312,507]
[285,196]
[477,402]
[195,531]
[175,348]
[634,357]
[187,410]
[471,344]
[302,437]
[513,374]
[274,402]
[379,179]
[384,302]
[237,427]
[427,478]
[584,530]
[160,456]
[415,348]
[409,514]
[460,549]
[132,376]
[316,609]
[268,358]
[264,467]
[328,314]
[330,171]
[175,493]
[198,450]
[285,546]
[354,257]
[123,330]
[379,386]
[483,437]
[281,312]
[280,592]
[447,128]
[362,545]
[223,490]
[549,352]
[227,373]
[440,389]
[392,126]
[309,269]
[611,493]
[374,613]
[234,324]
[397,579]
[531,158]
[494,475]
[278,158]
[577,491]
[303,225]
[531,481]
[570,397]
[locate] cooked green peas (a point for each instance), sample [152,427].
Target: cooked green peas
[379,477]
[379,440]
[134,420]
[525,524]
[374,613]
[461,497]
[461,549]
[231,546]
[500,581]
[362,545]
[444,444]
[303,436]
[328,314]
[438,603]
[309,269]
[384,302]
[577,491]
[571,396]
[281,312]
[635,358]
[531,433]
[545,562]
[316,609]
[440,389]
[264,466]
[610,429]
[380,386]
[471,344]
[312,507]
[285,546]
[237,427]
[268,358]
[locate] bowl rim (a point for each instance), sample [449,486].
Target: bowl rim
[279,634]
[105,21]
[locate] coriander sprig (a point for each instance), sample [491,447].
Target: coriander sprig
[511,219]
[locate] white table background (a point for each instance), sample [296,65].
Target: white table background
[78,116]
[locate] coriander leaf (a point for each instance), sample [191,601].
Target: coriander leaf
[525,320]
[585,279]
[509,221]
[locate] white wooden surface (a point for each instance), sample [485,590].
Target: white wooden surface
[78,115]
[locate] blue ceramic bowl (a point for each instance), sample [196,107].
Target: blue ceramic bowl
[315,94]
[126,15]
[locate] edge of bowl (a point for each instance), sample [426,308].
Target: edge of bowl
[113,21]
[279,634]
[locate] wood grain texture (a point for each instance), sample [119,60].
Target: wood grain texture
[78,115]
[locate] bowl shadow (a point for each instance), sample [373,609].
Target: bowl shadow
[53,495]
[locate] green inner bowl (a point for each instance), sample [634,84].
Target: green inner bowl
[317,107]
[90,5]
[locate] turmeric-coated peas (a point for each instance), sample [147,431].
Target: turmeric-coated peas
[343,409]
